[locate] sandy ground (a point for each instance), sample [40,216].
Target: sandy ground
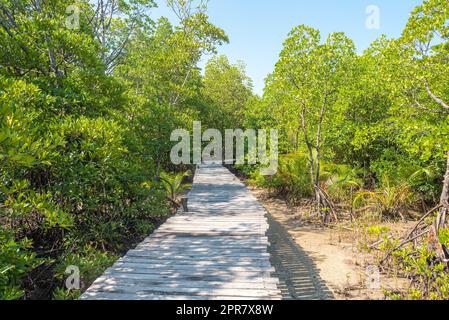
[347,272]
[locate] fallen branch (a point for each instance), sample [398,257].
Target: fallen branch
[403,243]
[422,220]
[375,244]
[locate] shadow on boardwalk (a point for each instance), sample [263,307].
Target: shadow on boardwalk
[299,278]
[216,251]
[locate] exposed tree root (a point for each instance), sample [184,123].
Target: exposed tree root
[419,231]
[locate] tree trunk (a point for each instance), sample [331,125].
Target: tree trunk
[433,242]
[320,197]
[444,200]
[51,53]
[308,144]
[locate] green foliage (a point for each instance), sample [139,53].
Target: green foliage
[174,186]
[430,280]
[85,120]
[444,237]
[292,178]
[91,263]
[16,260]
[341,181]
[387,201]
[228,89]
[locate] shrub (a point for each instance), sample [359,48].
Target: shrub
[387,201]
[430,279]
[16,260]
[340,180]
[422,178]
[66,181]
[292,179]
[91,263]
[101,183]
[173,185]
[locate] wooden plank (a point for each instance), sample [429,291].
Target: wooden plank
[115,280]
[200,259]
[213,231]
[199,264]
[218,222]
[254,277]
[187,237]
[217,227]
[204,257]
[210,228]
[202,212]
[203,254]
[161,296]
[143,267]
[181,289]
[161,245]
[200,248]
[206,219]
[208,233]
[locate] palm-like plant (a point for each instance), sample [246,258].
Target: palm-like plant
[389,200]
[294,174]
[173,185]
[339,180]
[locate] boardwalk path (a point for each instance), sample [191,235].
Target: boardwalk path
[216,251]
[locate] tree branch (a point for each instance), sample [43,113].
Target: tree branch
[435,97]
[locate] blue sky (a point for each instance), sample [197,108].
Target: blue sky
[257,28]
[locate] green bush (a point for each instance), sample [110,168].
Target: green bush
[341,181]
[386,201]
[91,263]
[67,181]
[16,260]
[423,178]
[430,280]
[292,178]
[174,186]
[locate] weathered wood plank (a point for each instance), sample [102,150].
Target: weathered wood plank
[181,289]
[161,296]
[187,240]
[209,233]
[200,256]
[143,267]
[200,277]
[214,227]
[114,280]
[201,243]
[201,248]
[198,264]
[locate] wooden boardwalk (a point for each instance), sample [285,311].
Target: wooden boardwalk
[218,250]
